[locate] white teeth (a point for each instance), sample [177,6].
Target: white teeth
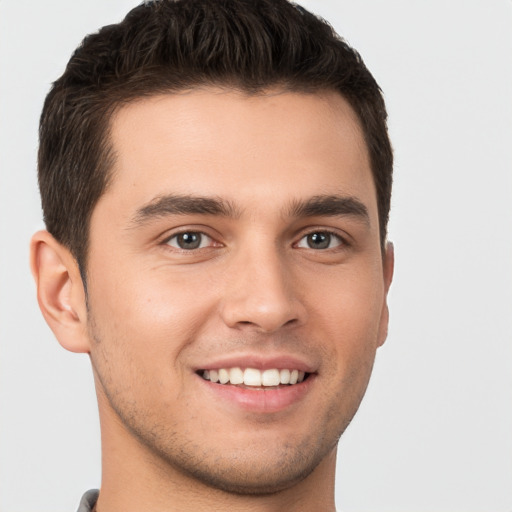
[270,378]
[254,377]
[285,376]
[223,376]
[236,376]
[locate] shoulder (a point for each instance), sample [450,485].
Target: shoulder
[88,500]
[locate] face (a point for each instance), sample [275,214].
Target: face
[236,283]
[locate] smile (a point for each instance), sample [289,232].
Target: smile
[252,377]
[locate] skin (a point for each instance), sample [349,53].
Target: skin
[155,313]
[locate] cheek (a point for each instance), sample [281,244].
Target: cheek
[349,303]
[348,315]
[147,302]
[144,321]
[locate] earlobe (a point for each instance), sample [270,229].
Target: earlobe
[388,266]
[60,291]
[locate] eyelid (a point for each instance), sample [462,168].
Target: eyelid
[202,230]
[205,239]
[344,237]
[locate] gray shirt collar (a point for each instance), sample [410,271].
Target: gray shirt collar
[88,500]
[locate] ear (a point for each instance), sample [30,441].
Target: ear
[60,291]
[388,265]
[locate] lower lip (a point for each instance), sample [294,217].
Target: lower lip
[261,400]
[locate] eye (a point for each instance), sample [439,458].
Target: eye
[320,240]
[190,240]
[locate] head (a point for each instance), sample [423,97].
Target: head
[167,46]
[216,179]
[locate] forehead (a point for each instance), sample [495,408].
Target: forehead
[242,147]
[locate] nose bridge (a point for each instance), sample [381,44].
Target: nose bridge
[260,292]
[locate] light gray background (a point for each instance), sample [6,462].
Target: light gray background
[434,432]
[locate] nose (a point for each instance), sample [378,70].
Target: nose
[260,294]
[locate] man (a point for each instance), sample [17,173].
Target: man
[215,179]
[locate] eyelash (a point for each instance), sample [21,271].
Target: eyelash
[187,232]
[342,242]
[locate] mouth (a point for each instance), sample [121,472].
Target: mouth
[253,378]
[258,384]
[260,387]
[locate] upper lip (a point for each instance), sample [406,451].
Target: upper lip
[260,362]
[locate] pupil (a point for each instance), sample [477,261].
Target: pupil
[189,240]
[319,240]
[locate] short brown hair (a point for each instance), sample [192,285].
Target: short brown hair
[172,45]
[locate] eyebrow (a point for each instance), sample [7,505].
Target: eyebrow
[330,206]
[316,206]
[184,205]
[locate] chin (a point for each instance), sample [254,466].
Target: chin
[253,471]
[236,479]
